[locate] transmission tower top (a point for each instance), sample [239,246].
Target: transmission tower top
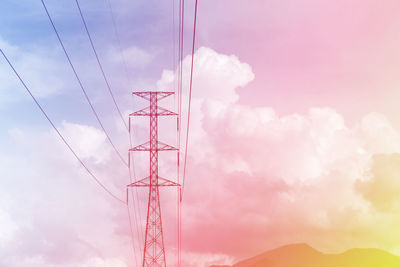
[159,94]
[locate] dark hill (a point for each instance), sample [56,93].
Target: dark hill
[302,255]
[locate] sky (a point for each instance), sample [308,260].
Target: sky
[294,134]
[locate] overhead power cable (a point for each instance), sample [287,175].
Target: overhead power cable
[117,35]
[190,99]
[81,85]
[118,109]
[119,112]
[137,211]
[181,30]
[59,133]
[110,9]
[132,162]
[100,65]
[131,232]
[180,78]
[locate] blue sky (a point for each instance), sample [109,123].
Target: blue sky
[143,25]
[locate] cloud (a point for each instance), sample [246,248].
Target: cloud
[7,227]
[216,76]
[288,167]
[133,56]
[52,211]
[89,142]
[256,180]
[383,186]
[40,68]
[378,134]
[206,260]
[269,180]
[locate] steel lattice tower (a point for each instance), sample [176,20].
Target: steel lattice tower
[154,250]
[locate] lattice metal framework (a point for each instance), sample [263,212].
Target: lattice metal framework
[154,250]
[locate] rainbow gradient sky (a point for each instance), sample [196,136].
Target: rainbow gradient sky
[295,134]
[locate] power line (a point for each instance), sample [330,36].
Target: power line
[118,40]
[180,72]
[190,99]
[128,127]
[137,217]
[108,85]
[80,84]
[100,65]
[173,38]
[118,109]
[181,31]
[59,133]
[131,230]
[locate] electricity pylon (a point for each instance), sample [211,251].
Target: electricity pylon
[154,250]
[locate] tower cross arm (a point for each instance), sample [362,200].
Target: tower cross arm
[147,94]
[160,112]
[160,147]
[146,182]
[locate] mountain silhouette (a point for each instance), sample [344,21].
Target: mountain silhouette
[302,255]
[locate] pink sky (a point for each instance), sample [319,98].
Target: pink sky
[313,53]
